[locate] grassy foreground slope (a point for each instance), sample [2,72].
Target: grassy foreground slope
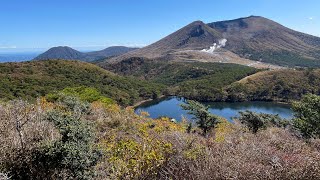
[29,80]
[281,85]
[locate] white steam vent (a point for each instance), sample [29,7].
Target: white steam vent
[221,43]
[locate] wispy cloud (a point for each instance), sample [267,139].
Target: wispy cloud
[8,47]
[311,18]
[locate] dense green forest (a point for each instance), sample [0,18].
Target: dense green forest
[29,80]
[193,80]
[222,82]
[146,79]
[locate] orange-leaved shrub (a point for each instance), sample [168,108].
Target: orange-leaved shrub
[273,153]
[131,146]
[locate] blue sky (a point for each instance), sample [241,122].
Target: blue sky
[27,25]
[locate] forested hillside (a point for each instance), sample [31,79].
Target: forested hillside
[280,85]
[193,80]
[222,82]
[29,80]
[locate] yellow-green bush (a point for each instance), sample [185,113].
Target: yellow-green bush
[86,94]
[131,158]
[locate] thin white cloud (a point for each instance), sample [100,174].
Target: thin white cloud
[311,18]
[8,47]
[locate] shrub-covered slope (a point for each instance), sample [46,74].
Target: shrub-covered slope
[280,85]
[37,78]
[70,139]
[194,80]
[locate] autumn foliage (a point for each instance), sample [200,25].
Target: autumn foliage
[82,140]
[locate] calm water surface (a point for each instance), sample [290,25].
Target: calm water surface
[170,107]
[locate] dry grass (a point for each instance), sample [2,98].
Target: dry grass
[22,128]
[271,154]
[4,176]
[231,152]
[138,147]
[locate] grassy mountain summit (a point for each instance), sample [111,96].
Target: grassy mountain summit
[29,80]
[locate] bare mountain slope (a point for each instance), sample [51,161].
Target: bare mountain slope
[195,36]
[262,39]
[245,39]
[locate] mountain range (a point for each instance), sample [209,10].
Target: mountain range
[252,41]
[65,52]
[249,41]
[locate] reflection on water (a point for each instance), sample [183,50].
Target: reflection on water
[170,106]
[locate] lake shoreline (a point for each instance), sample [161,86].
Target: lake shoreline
[205,102]
[147,100]
[170,106]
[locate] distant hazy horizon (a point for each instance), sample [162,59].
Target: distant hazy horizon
[26,54]
[17,56]
[97,24]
